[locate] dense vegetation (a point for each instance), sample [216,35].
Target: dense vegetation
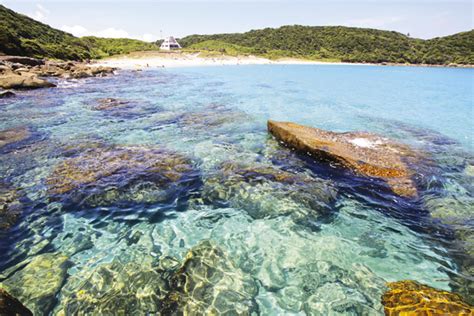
[339,43]
[21,35]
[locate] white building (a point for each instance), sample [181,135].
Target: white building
[170,43]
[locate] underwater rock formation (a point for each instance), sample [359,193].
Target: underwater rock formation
[113,289]
[208,283]
[110,104]
[11,306]
[412,298]
[13,135]
[10,206]
[111,175]
[126,109]
[37,284]
[364,153]
[267,191]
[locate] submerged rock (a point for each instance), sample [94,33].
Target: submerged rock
[207,283]
[13,135]
[38,283]
[364,153]
[10,206]
[11,80]
[265,190]
[11,306]
[110,175]
[113,289]
[110,104]
[412,298]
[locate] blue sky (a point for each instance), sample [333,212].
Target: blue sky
[148,20]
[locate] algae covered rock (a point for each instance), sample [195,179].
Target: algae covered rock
[267,191]
[37,284]
[10,206]
[412,298]
[116,175]
[364,153]
[209,283]
[11,306]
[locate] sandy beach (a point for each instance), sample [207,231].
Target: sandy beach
[141,60]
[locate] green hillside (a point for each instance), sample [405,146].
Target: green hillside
[344,44]
[21,35]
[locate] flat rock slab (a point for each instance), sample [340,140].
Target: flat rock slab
[364,153]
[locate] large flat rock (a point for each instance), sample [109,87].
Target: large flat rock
[364,153]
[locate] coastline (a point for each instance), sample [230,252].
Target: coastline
[156,59]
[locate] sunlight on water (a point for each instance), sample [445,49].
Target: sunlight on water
[172,198]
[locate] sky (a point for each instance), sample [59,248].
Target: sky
[150,20]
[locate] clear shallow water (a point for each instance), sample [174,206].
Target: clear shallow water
[325,243]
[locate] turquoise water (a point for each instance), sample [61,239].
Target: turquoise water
[243,242]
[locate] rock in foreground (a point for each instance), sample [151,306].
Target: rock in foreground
[364,153]
[413,298]
[208,283]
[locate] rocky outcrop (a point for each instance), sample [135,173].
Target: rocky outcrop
[18,72]
[11,306]
[412,298]
[22,60]
[364,153]
[110,175]
[11,80]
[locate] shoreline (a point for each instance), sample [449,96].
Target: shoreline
[143,60]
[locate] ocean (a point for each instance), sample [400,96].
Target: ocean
[169,198]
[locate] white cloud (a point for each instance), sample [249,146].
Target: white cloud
[76,30]
[40,13]
[111,32]
[147,37]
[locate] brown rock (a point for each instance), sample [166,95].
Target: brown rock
[24,81]
[412,298]
[11,306]
[364,153]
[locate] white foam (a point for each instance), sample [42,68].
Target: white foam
[364,142]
